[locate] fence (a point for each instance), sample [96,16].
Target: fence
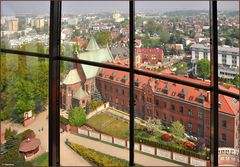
[144,148]
[97,110]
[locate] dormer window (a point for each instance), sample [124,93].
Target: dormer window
[124,78]
[137,82]
[112,75]
[220,104]
[101,72]
[166,88]
[201,98]
[182,93]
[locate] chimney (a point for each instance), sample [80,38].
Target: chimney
[208,96]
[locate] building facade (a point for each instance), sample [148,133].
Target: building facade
[170,102]
[150,55]
[228,59]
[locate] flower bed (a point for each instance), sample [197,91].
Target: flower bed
[95,157]
[171,147]
[167,137]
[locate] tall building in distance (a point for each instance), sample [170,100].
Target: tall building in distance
[117,17]
[13,24]
[38,22]
[228,59]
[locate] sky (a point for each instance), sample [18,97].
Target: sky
[76,7]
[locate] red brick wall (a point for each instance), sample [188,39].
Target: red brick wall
[149,108]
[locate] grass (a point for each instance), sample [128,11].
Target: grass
[41,160]
[109,125]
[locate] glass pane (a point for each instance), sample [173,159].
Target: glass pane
[172,123]
[25,25]
[174,126]
[101,28]
[24,110]
[228,43]
[94,116]
[173,36]
[228,66]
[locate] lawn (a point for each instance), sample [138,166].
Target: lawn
[107,124]
[41,160]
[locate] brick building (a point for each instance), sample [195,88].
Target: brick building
[170,102]
[150,55]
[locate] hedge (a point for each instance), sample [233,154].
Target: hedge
[95,157]
[64,120]
[170,147]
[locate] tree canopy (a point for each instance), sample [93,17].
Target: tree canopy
[203,68]
[177,129]
[77,116]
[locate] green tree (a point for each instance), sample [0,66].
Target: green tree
[77,116]
[103,38]
[236,81]
[203,68]
[177,129]
[24,98]
[182,68]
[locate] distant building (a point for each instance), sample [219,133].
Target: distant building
[13,24]
[117,17]
[228,59]
[150,55]
[38,23]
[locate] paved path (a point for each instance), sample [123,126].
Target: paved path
[115,151]
[68,157]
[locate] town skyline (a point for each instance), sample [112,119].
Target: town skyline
[76,7]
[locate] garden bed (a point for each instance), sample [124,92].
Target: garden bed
[96,158]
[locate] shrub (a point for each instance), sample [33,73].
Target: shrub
[95,157]
[177,129]
[77,117]
[64,120]
[189,145]
[171,147]
[167,137]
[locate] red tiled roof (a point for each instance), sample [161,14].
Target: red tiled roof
[149,50]
[191,96]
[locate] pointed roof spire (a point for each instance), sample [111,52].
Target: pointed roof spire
[92,44]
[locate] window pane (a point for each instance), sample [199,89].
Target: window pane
[101,28]
[167,127]
[94,115]
[228,73]
[228,43]
[25,25]
[173,38]
[24,110]
[175,41]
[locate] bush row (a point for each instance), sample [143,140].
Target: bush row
[170,147]
[95,157]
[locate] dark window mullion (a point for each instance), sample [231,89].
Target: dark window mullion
[214,82]
[131,83]
[54,83]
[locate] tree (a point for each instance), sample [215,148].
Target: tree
[150,126]
[103,38]
[177,129]
[77,116]
[203,68]
[236,81]
[24,98]
[181,68]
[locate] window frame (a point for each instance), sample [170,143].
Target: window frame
[54,57]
